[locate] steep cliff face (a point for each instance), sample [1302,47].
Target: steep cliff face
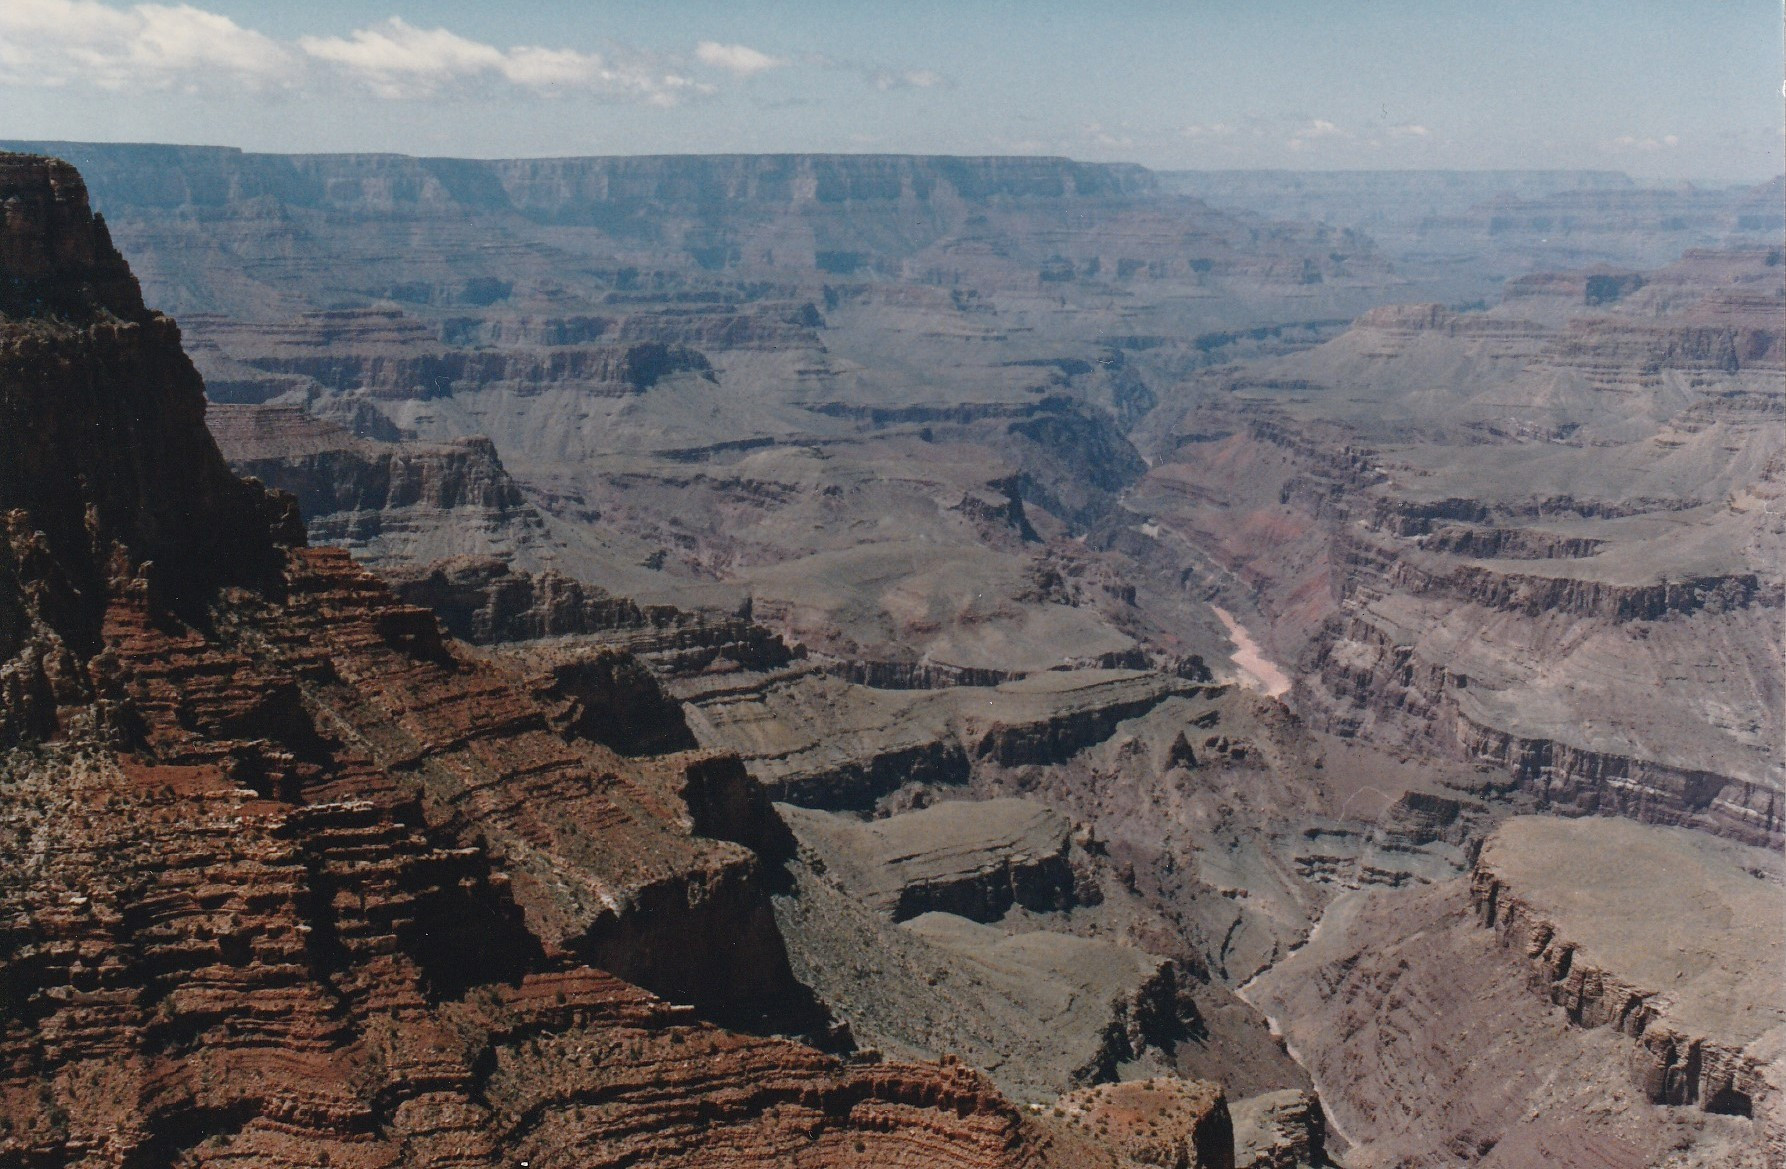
[295,879]
[106,471]
[485,601]
[385,501]
[1430,1047]
[1708,1035]
[817,741]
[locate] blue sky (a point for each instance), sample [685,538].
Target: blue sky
[1663,90]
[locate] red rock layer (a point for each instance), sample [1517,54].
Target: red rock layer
[335,901]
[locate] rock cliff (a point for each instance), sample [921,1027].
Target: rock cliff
[974,859]
[1700,1003]
[1543,1009]
[485,601]
[105,466]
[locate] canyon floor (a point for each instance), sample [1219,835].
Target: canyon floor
[1025,659]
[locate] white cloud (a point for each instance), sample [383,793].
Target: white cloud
[1410,130]
[395,59]
[883,77]
[1097,133]
[1644,143]
[398,60]
[738,60]
[1316,130]
[60,43]
[150,46]
[886,79]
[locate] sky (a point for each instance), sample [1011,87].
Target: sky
[1688,89]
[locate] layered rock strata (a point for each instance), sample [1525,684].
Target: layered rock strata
[297,880]
[816,741]
[487,602]
[974,859]
[947,928]
[1539,538]
[384,501]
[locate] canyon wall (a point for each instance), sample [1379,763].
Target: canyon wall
[1537,539]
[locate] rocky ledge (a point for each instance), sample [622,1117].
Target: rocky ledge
[874,741]
[488,602]
[972,858]
[1697,988]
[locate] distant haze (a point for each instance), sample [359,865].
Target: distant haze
[1662,90]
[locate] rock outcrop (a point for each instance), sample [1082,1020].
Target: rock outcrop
[1597,990]
[487,602]
[105,465]
[972,858]
[816,741]
[1701,1000]
[1172,1124]
[387,502]
[1279,1130]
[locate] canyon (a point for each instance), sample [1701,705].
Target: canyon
[887,660]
